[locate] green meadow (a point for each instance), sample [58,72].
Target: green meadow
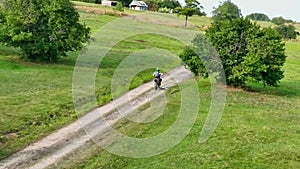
[260,128]
[36,98]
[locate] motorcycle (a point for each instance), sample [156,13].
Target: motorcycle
[157,83]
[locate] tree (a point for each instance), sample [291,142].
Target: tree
[278,20]
[170,4]
[202,58]
[119,7]
[125,2]
[265,57]
[191,8]
[258,17]
[248,52]
[43,29]
[287,31]
[190,58]
[152,5]
[226,11]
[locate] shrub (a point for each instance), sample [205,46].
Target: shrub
[287,31]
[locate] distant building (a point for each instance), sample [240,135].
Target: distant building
[138,5]
[109,3]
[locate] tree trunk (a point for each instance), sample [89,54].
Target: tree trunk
[186,18]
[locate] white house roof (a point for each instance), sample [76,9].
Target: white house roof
[138,3]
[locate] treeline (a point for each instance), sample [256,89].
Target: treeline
[263,17]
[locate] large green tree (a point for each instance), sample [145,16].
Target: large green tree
[192,7]
[248,52]
[226,11]
[43,29]
[258,17]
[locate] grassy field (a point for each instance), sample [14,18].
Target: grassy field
[259,128]
[37,98]
[173,20]
[297,27]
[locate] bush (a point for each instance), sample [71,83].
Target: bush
[287,31]
[164,10]
[119,7]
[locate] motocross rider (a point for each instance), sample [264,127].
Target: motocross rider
[157,75]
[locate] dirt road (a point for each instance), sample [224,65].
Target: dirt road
[62,143]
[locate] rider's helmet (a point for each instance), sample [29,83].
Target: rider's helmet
[157,69]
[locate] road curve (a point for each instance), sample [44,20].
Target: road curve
[47,151]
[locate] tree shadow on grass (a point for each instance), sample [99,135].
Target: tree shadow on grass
[14,55]
[69,60]
[285,88]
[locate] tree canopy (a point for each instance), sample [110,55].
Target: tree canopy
[170,4]
[248,52]
[226,11]
[43,29]
[155,5]
[192,7]
[258,17]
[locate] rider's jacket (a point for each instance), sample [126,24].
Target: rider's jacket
[156,74]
